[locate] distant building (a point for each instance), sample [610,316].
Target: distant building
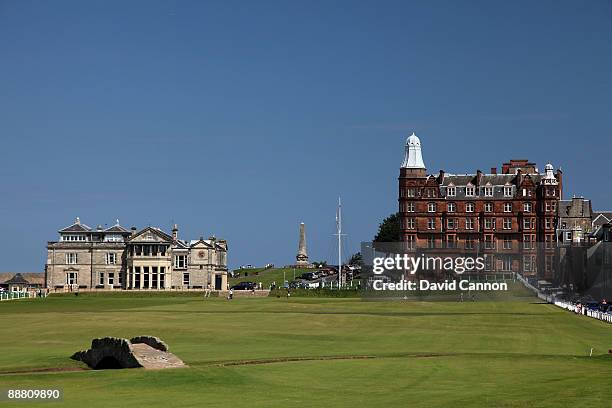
[117,258]
[575,221]
[22,282]
[600,218]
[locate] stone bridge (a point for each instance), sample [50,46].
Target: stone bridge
[142,351]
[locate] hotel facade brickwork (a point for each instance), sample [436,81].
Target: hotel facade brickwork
[510,217]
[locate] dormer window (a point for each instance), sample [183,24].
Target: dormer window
[507,191]
[488,191]
[451,191]
[74,237]
[470,190]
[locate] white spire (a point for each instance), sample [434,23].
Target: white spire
[413,159]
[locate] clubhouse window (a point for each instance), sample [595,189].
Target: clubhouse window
[180,261]
[452,191]
[71,258]
[507,207]
[469,207]
[488,191]
[470,191]
[101,278]
[451,207]
[488,207]
[111,258]
[71,278]
[431,207]
[508,191]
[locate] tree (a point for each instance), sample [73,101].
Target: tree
[356,260]
[389,229]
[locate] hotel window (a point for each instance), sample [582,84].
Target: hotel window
[451,241]
[488,191]
[506,264]
[431,242]
[111,279]
[528,241]
[507,223]
[489,223]
[469,207]
[186,279]
[469,223]
[180,261]
[431,207]
[71,278]
[451,223]
[451,207]
[489,242]
[528,263]
[549,263]
[527,207]
[451,191]
[71,258]
[470,191]
[101,278]
[488,207]
[111,258]
[507,243]
[410,241]
[507,191]
[431,223]
[507,207]
[410,223]
[549,241]
[469,243]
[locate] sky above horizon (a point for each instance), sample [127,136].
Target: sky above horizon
[243,119]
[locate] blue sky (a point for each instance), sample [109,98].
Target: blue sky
[242,119]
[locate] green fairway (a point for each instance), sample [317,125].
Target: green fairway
[298,352]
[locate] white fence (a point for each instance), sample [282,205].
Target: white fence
[572,307]
[16,295]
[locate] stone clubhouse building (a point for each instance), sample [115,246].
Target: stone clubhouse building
[121,259]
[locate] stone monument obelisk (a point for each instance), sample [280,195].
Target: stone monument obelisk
[302,255]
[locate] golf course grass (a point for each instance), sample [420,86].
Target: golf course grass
[268,352]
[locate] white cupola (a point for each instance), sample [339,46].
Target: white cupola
[413,159]
[549,175]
